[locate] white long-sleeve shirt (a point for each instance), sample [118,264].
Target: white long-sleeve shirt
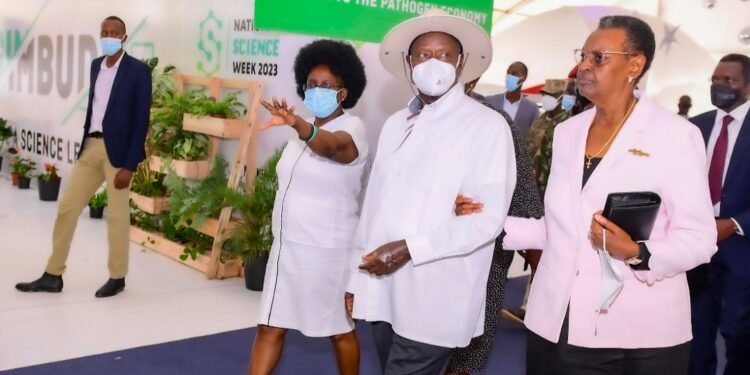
[454,146]
[102,91]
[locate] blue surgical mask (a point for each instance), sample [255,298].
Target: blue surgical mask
[110,46]
[568,101]
[512,83]
[321,102]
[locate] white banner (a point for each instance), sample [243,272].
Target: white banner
[46,48]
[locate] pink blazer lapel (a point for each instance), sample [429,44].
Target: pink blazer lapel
[623,142]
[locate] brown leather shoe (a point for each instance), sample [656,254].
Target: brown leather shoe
[514,316]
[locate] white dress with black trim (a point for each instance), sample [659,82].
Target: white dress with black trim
[314,218]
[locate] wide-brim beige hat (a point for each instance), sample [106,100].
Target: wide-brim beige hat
[476,44]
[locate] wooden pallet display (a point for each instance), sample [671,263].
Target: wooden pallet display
[246,130]
[151,205]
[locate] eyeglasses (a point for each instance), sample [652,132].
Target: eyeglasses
[597,58]
[322,85]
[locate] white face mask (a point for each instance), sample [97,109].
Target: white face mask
[612,278]
[549,102]
[434,77]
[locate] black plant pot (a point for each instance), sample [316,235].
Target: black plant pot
[49,190]
[96,213]
[1,163]
[24,182]
[255,273]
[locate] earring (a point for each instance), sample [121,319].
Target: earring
[630,79]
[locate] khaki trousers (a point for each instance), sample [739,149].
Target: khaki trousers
[91,169]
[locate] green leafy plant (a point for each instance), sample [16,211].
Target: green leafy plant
[190,146]
[253,237]
[99,200]
[192,204]
[147,182]
[144,220]
[229,107]
[151,62]
[195,242]
[162,82]
[22,166]
[6,132]
[167,137]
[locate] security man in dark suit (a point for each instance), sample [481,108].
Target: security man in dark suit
[114,134]
[720,290]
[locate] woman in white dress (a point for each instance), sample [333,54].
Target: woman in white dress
[316,210]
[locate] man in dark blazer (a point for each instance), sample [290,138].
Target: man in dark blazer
[114,134]
[521,110]
[720,290]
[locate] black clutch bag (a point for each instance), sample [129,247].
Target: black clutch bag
[634,212]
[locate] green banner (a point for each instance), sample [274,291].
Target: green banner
[360,20]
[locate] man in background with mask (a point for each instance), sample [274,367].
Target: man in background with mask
[720,290]
[420,272]
[114,134]
[521,110]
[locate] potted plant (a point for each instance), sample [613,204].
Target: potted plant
[49,183]
[187,152]
[97,204]
[148,191]
[252,238]
[21,168]
[219,118]
[6,132]
[228,108]
[13,151]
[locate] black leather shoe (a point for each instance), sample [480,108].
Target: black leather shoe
[111,288]
[47,283]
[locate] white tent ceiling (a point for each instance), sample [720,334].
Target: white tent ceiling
[669,77]
[724,18]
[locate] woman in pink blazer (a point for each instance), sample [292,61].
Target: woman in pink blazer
[624,144]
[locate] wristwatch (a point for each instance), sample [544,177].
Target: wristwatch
[636,260]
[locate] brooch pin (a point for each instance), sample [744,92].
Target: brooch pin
[638,152]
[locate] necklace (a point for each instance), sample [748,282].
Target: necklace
[611,137]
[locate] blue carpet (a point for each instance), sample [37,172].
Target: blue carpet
[228,353]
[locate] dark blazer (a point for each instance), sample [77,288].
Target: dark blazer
[527,112]
[126,119]
[735,198]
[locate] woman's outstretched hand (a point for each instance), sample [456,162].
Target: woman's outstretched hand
[281,114]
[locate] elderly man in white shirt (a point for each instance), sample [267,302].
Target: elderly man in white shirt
[420,272]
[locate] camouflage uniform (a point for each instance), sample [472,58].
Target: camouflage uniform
[539,145]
